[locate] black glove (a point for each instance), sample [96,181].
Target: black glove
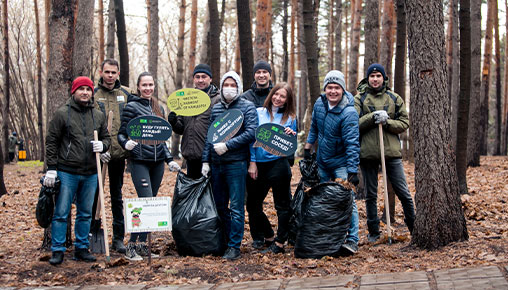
[353,178]
[306,154]
[172,118]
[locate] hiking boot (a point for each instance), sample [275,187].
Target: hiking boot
[373,238]
[350,247]
[274,249]
[142,250]
[131,253]
[232,254]
[118,246]
[258,244]
[83,255]
[56,258]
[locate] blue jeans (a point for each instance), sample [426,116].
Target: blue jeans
[341,172]
[228,184]
[83,188]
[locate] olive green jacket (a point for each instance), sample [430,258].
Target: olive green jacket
[366,102]
[113,100]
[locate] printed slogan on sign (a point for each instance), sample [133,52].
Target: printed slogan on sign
[271,137]
[188,102]
[225,126]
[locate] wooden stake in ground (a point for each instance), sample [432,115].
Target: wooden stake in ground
[385,186]
[101,198]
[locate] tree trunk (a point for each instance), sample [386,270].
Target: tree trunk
[153,41]
[346,46]
[262,28]
[386,50]
[40,119]
[123,49]
[179,54]
[452,61]
[203,54]
[475,114]
[311,48]
[110,45]
[355,47]
[485,86]
[292,50]
[214,48]
[399,79]
[82,41]
[245,36]
[192,44]
[285,63]
[371,33]
[439,218]
[101,31]
[7,86]
[338,35]
[497,125]
[330,43]
[504,143]
[47,10]
[465,93]
[303,95]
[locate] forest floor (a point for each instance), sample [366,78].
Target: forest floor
[23,264]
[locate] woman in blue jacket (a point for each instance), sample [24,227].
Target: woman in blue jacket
[271,171]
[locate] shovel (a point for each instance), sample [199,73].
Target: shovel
[97,245]
[385,185]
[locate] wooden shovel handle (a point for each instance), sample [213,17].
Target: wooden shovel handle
[101,196]
[385,185]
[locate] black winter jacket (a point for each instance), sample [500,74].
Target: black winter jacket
[257,95]
[142,152]
[68,146]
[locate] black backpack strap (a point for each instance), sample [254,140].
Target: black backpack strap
[397,107]
[363,96]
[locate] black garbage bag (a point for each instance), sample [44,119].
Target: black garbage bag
[197,229]
[310,178]
[46,203]
[325,218]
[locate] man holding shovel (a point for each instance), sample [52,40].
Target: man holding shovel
[377,104]
[71,156]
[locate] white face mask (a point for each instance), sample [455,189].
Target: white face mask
[229,93]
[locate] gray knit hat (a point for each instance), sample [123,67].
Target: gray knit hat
[335,77]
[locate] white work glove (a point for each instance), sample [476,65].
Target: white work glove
[130,145]
[205,169]
[173,166]
[105,157]
[97,146]
[220,148]
[49,178]
[380,117]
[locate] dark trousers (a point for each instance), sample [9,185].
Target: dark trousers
[276,175]
[194,168]
[147,178]
[395,173]
[11,156]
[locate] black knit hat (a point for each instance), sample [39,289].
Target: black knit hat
[261,64]
[376,67]
[202,68]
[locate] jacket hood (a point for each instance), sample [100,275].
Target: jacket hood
[364,87]
[236,78]
[212,91]
[346,101]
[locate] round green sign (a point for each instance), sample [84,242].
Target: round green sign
[188,102]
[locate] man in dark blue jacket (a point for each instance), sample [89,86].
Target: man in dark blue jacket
[228,162]
[335,126]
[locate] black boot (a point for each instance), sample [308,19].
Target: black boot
[56,258]
[118,246]
[83,255]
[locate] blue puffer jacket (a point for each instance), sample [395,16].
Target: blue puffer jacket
[337,133]
[238,146]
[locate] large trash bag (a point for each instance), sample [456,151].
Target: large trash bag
[197,227]
[46,203]
[325,218]
[310,178]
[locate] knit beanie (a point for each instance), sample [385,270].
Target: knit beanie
[81,81]
[261,64]
[202,68]
[335,77]
[376,67]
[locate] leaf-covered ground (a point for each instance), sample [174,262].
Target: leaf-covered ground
[23,264]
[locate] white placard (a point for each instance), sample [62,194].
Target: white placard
[148,214]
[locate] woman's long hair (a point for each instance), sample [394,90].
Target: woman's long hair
[289,106]
[154,102]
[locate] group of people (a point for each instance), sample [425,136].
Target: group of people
[344,128]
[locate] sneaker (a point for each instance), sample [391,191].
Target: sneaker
[372,238]
[258,244]
[118,246]
[274,249]
[84,255]
[232,254]
[142,250]
[131,253]
[56,258]
[350,247]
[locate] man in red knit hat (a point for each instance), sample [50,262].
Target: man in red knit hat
[70,156]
